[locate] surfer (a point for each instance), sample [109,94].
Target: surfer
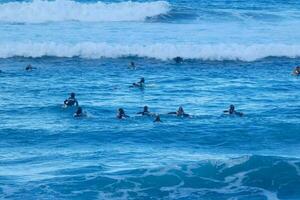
[145,111]
[231,111]
[157,119]
[79,112]
[29,68]
[71,101]
[140,84]
[121,114]
[296,71]
[132,65]
[180,112]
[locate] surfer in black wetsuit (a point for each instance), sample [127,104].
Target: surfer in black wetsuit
[140,84]
[121,114]
[180,112]
[157,119]
[71,101]
[296,71]
[79,112]
[145,111]
[132,65]
[29,68]
[231,111]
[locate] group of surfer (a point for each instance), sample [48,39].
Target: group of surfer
[180,113]
[177,60]
[72,101]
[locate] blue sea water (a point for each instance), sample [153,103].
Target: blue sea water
[236,52]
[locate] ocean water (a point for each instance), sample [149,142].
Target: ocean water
[235,52]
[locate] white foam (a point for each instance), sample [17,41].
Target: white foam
[159,51]
[39,11]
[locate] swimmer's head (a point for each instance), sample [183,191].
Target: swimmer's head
[142,80]
[132,64]
[145,108]
[72,94]
[231,108]
[121,111]
[180,109]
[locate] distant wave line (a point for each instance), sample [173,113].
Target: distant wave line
[158,51]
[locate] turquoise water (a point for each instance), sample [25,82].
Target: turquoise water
[235,52]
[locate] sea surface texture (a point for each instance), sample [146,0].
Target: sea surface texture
[235,52]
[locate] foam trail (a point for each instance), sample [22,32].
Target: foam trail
[98,50]
[39,11]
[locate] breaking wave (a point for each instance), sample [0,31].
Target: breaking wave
[39,11]
[158,51]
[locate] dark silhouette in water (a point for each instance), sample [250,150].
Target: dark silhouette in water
[157,119]
[140,84]
[178,59]
[296,71]
[121,114]
[232,111]
[71,101]
[180,112]
[29,68]
[79,112]
[132,65]
[145,111]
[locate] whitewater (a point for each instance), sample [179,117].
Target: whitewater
[103,50]
[95,29]
[234,52]
[39,11]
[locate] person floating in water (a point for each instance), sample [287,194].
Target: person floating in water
[71,101]
[145,111]
[29,68]
[296,71]
[232,111]
[132,65]
[140,84]
[79,113]
[178,59]
[157,119]
[180,112]
[121,114]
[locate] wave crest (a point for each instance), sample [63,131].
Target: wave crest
[39,11]
[158,51]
